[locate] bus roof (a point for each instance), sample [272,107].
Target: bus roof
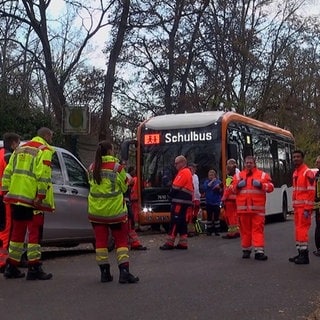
[203,119]
[183,120]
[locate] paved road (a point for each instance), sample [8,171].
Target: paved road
[209,281]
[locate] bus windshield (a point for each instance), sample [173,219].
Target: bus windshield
[158,161]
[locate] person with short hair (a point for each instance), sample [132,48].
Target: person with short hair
[303,201]
[228,202]
[181,199]
[250,186]
[192,214]
[27,186]
[213,188]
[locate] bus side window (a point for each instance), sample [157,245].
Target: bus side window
[232,151]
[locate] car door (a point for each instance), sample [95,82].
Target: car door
[69,223]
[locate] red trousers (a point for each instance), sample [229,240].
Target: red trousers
[18,237]
[302,225]
[231,216]
[119,232]
[5,234]
[252,230]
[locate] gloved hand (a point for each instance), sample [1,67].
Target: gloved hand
[256,183]
[241,184]
[221,204]
[194,219]
[306,214]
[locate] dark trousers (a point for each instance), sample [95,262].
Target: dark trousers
[178,223]
[213,218]
[317,229]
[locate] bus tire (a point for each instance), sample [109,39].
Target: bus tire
[283,215]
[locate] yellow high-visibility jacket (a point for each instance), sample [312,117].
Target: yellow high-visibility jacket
[28,175]
[106,201]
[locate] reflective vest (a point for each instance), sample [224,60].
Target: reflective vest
[303,188]
[228,194]
[106,201]
[250,199]
[28,175]
[182,187]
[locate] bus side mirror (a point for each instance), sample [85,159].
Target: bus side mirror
[124,149]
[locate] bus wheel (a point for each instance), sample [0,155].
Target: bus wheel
[283,215]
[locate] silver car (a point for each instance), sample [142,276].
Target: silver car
[69,224]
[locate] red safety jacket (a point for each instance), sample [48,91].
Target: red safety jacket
[134,196]
[5,232]
[182,187]
[251,199]
[303,188]
[3,164]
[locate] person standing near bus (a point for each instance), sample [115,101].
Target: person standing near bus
[193,211]
[134,241]
[108,211]
[10,142]
[251,186]
[181,199]
[303,201]
[228,201]
[213,188]
[317,210]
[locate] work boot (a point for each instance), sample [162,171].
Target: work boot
[260,256]
[303,258]
[181,247]
[246,254]
[125,275]
[140,247]
[166,247]
[293,259]
[12,272]
[105,273]
[35,272]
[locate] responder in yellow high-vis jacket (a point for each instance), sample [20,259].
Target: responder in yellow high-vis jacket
[28,188]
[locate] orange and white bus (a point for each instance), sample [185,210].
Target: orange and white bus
[208,139]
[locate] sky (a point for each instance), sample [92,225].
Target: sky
[98,59]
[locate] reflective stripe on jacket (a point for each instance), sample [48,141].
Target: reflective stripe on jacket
[303,188]
[182,187]
[106,201]
[251,199]
[28,175]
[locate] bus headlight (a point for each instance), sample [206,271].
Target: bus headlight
[146,209]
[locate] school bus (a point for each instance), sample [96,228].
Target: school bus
[208,139]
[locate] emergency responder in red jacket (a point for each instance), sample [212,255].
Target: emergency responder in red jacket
[10,143]
[134,241]
[251,186]
[228,202]
[181,199]
[303,200]
[317,209]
